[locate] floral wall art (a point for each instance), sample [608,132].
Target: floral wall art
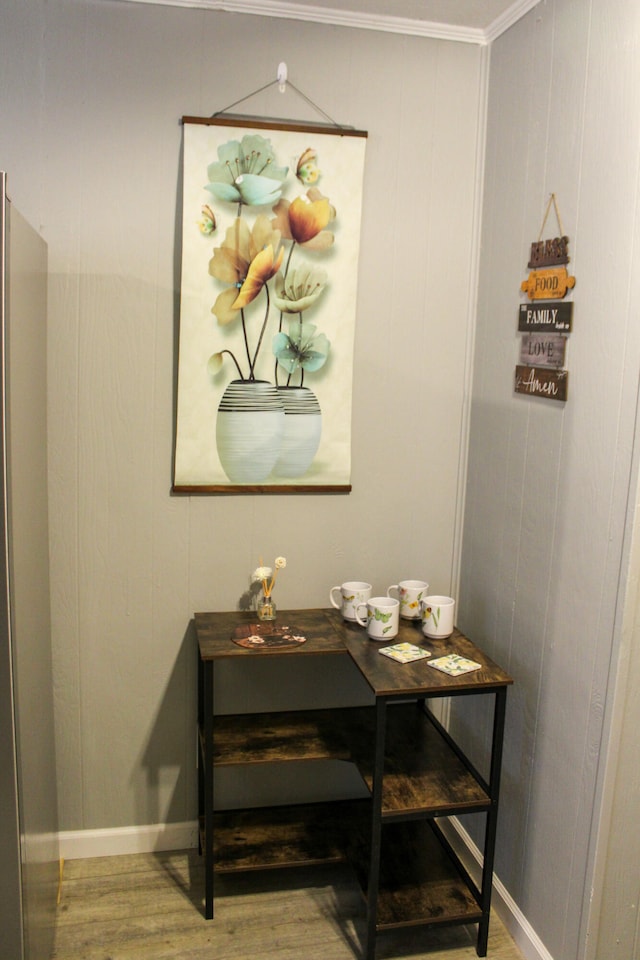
[270,242]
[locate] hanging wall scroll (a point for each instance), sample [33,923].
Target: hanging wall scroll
[270,243]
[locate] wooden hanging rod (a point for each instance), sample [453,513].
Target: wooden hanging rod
[237,120]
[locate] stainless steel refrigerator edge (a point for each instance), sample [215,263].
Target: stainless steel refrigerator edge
[29,854]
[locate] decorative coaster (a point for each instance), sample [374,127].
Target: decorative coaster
[264,636]
[454,664]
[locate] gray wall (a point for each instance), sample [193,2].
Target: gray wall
[552,488]
[94,161]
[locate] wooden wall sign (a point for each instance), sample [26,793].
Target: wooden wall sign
[537,382]
[549,253]
[546,321]
[543,349]
[551,284]
[545,316]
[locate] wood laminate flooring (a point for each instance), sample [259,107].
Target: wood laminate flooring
[150,907]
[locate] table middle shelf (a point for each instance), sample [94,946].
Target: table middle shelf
[423,773]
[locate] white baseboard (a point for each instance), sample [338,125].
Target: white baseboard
[79,844]
[524,936]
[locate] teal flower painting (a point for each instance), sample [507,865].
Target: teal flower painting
[301,349]
[245,172]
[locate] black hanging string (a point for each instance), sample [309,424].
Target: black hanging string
[288,83]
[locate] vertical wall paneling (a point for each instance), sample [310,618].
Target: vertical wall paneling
[543,577]
[28,799]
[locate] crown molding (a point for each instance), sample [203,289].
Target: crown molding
[287,10]
[514,13]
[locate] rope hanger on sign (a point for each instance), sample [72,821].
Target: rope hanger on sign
[552,200]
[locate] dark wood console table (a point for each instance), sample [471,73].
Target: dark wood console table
[413,770]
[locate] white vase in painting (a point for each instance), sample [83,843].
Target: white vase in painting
[249,429]
[302,431]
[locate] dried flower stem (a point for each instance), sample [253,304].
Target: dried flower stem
[268,584]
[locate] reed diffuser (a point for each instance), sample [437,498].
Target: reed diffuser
[266,608]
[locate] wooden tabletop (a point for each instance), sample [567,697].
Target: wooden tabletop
[327,632]
[388,678]
[216,630]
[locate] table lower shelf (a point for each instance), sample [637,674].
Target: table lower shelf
[288,836]
[419,884]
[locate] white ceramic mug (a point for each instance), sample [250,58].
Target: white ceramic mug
[410,593]
[437,616]
[346,597]
[381,617]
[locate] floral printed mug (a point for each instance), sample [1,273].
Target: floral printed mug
[437,616]
[346,597]
[410,593]
[381,617]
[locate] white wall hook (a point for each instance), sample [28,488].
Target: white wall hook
[282,77]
